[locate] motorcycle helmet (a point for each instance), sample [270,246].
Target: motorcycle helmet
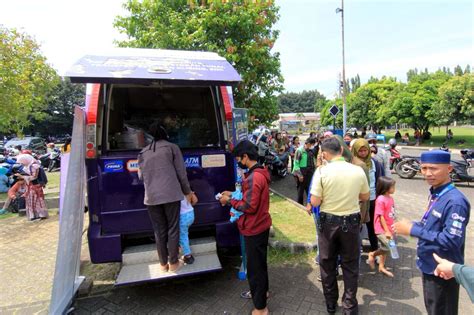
[392,142]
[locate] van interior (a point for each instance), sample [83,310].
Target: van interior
[187,113]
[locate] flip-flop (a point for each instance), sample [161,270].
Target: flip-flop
[248,295]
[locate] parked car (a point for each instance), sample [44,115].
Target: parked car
[28,143]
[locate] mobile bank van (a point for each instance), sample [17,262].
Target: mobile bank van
[190,94]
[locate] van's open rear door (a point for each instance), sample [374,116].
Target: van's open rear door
[148,67]
[154,66]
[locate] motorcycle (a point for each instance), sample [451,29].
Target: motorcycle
[43,159]
[277,163]
[462,169]
[395,158]
[54,160]
[408,166]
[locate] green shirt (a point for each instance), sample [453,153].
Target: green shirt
[301,159]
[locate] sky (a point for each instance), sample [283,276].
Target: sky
[382,37]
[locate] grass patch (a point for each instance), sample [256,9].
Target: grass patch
[290,223]
[278,257]
[53,183]
[439,137]
[8,215]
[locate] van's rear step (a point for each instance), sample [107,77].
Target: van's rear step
[140,263]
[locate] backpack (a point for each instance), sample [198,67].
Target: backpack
[42,179]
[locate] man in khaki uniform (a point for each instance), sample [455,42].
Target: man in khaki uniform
[338,187]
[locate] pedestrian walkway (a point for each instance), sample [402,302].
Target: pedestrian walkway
[28,253]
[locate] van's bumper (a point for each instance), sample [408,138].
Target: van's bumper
[103,248]
[227,234]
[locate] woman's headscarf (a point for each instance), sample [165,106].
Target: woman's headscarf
[358,144]
[25,159]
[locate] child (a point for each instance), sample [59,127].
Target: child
[16,191]
[383,220]
[186,218]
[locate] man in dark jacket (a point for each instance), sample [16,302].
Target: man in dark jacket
[255,223]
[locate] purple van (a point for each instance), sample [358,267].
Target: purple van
[127,90]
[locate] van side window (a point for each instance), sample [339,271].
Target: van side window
[187,113]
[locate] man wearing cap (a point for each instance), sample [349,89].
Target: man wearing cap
[382,156]
[441,231]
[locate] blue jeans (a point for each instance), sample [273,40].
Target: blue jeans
[185,221]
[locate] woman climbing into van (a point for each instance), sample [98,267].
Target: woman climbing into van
[162,169]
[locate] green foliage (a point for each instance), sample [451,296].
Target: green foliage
[304,102]
[368,104]
[241,31]
[25,81]
[59,114]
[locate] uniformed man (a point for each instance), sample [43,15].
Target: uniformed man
[337,187]
[442,231]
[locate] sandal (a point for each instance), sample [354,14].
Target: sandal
[164,268]
[175,267]
[248,295]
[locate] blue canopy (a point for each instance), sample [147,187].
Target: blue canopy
[137,65]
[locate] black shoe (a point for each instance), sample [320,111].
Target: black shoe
[331,308]
[188,259]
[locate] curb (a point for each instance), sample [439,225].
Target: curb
[293,247]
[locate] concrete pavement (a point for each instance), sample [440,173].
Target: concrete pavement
[28,251]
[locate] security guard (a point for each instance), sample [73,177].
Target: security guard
[337,187]
[442,231]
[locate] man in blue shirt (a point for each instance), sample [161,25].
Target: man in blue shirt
[442,231]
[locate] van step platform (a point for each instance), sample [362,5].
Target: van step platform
[140,263]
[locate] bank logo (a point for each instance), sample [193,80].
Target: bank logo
[191,161]
[132,166]
[114,166]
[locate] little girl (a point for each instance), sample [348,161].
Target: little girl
[186,218]
[383,220]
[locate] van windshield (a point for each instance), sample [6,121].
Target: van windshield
[187,113]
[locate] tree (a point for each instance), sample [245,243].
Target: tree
[25,81]
[368,106]
[413,104]
[306,101]
[241,31]
[456,101]
[59,114]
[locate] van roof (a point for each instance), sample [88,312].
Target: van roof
[138,65]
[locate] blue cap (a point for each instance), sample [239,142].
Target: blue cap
[436,157]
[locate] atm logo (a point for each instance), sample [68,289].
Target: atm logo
[114,166]
[192,161]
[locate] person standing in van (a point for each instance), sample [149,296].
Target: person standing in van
[162,169]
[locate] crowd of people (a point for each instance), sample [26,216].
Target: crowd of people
[348,183]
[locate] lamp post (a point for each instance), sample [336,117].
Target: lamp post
[343,85]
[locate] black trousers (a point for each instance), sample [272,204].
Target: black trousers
[257,270]
[374,243]
[165,221]
[441,296]
[333,241]
[304,185]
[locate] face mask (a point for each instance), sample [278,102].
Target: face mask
[348,143]
[372,144]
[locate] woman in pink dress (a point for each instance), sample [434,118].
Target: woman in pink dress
[34,196]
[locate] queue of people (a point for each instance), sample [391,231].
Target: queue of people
[340,211]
